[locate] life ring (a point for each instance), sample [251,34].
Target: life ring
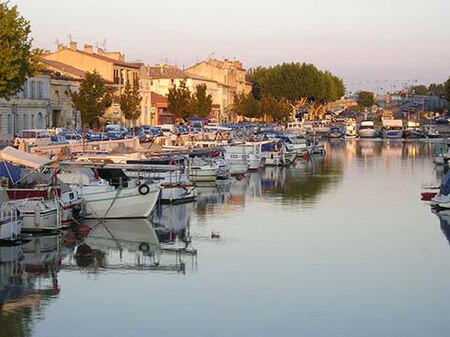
[144,189]
[144,247]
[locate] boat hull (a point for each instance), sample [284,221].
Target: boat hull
[121,203]
[367,133]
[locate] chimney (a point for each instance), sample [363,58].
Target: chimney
[73,45]
[100,51]
[88,48]
[60,46]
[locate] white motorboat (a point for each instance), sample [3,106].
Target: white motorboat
[62,197]
[442,198]
[10,223]
[250,152]
[201,170]
[39,214]
[367,130]
[223,168]
[136,199]
[392,128]
[350,129]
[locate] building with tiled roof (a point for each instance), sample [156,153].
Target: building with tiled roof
[71,61]
[230,79]
[164,77]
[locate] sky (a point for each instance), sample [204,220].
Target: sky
[375,45]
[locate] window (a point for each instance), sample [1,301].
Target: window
[9,124]
[32,121]
[25,89]
[25,121]
[39,91]
[33,89]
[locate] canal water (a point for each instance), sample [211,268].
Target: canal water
[333,246]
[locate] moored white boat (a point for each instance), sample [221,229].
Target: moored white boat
[201,170]
[367,129]
[135,200]
[10,223]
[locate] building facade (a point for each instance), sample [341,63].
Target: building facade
[29,109]
[230,79]
[110,65]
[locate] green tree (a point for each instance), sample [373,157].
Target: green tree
[93,98]
[201,102]
[247,106]
[130,101]
[276,109]
[302,84]
[447,90]
[366,99]
[436,89]
[420,90]
[180,101]
[17,59]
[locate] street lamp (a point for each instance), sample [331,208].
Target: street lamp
[14,114]
[49,112]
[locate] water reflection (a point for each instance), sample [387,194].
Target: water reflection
[121,245]
[28,283]
[444,220]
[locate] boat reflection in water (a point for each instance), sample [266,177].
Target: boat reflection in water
[120,244]
[444,219]
[172,222]
[28,282]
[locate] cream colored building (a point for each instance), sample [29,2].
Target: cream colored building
[110,65]
[230,79]
[28,109]
[164,77]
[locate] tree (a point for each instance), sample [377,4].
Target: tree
[447,89]
[436,89]
[247,106]
[130,101]
[180,101]
[302,84]
[17,59]
[366,99]
[93,98]
[278,110]
[420,90]
[201,103]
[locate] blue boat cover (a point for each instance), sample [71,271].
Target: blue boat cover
[10,171]
[445,184]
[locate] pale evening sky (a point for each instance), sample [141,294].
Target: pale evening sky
[370,44]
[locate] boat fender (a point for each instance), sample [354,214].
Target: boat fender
[37,216]
[144,189]
[144,247]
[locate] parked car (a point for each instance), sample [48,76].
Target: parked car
[58,139]
[96,137]
[73,137]
[115,135]
[145,136]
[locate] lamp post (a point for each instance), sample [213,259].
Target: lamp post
[14,114]
[49,112]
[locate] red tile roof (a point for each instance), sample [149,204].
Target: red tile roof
[63,68]
[157,98]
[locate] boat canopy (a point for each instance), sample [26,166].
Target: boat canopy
[17,157]
[445,184]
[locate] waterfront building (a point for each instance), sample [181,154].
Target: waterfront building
[164,77]
[230,79]
[110,65]
[29,109]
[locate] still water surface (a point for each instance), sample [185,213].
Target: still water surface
[337,246]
